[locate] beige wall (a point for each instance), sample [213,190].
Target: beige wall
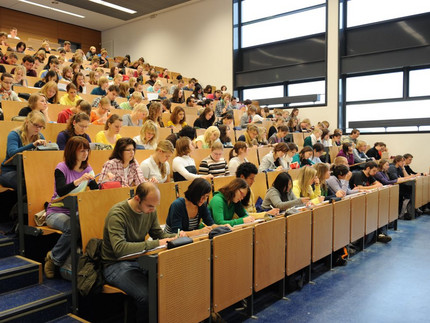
[195,40]
[208,23]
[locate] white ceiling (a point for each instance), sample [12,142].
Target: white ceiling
[93,19]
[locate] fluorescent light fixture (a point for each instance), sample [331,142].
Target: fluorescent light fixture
[50,8]
[114,6]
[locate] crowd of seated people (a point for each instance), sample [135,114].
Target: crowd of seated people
[215,114]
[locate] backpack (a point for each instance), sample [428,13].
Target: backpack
[90,269]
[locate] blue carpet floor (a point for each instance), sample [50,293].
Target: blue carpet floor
[384,283]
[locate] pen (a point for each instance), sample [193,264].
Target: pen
[271,206]
[178,233]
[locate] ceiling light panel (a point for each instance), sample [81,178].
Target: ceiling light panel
[114,6]
[51,8]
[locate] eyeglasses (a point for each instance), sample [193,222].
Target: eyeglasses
[129,149]
[37,125]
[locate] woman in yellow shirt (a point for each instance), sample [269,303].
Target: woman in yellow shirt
[177,119]
[110,135]
[302,187]
[72,97]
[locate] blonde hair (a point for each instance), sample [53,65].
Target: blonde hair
[103,80]
[217,145]
[140,107]
[123,89]
[208,133]
[137,96]
[164,146]
[46,87]
[149,126]
[305,175]
[33,117]
[22,69]
[32,100]
[360,143]
[340,160]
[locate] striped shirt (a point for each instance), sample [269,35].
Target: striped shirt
[193,225]
[215,168]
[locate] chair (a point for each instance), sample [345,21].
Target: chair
[222,181]
[199,154]
[252,156]
[298,138]
[11,109]
[168,194]
[263,151]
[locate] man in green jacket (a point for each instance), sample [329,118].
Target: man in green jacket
[126,227]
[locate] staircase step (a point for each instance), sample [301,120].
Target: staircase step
[7,246]
[33,304]
[17,272]
[69,318]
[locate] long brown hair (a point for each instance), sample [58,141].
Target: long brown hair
[73,145]
[174,117]
[229,190]
[75,118]
[237,146]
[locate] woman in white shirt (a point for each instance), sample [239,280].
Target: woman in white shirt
[148,135]
[183,166]
[156,168]
[237,156]
[275,159]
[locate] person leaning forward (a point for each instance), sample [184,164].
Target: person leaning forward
[126,225]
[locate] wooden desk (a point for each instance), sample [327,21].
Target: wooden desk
[341,224]
[299,236]
[358,217]
[371,212]
[322,231]
[383,206]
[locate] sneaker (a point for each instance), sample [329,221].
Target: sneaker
[384,238]
[49,267]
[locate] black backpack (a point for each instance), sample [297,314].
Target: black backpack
[90,269]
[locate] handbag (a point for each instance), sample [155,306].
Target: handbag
[108,185]
[182,241]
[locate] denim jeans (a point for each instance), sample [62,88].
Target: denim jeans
[132,279]
[9,179]
[61,250]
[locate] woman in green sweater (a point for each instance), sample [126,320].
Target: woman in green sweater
[226,203]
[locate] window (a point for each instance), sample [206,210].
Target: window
[373,87]
[267,92]
[253,10]
[286,27]
[317,87]
[361,12]
[419,82]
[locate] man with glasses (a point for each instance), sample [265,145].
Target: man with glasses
[6,93]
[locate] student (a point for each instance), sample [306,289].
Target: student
[364,179]
[352,138]
[304,126]
[6,93]
[262,136]
[248,116]
[302,187]
[382,175]
[183,166]
[303,158]
[36,102]
[281,196]
[126,227]
[359,152]
[177,96]
[52,65]
[148,136]
[323,174]
[50,76]
[179,86]
[162,94]
[28,63]
[227,120]
[336,139]
[339,180]
[101,113]
[227,202]
[156,167]
[408,160]
[186,131]
[154,114]
[122,166]
[279,134]
[19,76]
[223,106]
[72,97]
[124,88]
[313,138]
[377,150]
[248,171]
[346,152]
[156,88]
[135,119]
[223,136]
[73,175]
[10,59]
[135,98]
[25,137]
[177,118]
[76,126]
[110,134]
[13,34]
[111,94]
[103,85]
[67,74]
[50,90]
[292,125]
[274,160]
[237,156]
[190,86]
[292,150]
[318,151]
[206,140]
[190,212]
[215,163]
[250,136]
[79,81]
[205,120]
[166,106]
